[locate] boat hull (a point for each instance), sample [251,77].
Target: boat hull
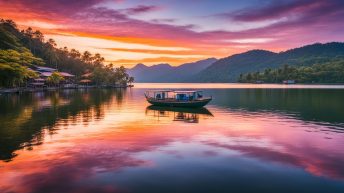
[177,103]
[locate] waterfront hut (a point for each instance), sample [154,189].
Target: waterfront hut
[289,82]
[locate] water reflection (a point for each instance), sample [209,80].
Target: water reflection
[110,141]
[187,115]
[25,119]
[314,105]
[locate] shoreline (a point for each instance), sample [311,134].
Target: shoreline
[26,90]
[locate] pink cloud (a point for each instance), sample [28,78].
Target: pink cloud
[303,22]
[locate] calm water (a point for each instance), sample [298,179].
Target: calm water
[250,138]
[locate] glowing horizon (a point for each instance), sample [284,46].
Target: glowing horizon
[150,32]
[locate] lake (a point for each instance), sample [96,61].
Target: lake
[250,138]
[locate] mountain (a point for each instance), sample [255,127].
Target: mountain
[229,69]
[143,73]
[168,73]
[224,69]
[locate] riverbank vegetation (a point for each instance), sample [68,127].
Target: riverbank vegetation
[21,50]
[330,72]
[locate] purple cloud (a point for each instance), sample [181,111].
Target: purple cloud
[141,9]
[291,9]
[54,7]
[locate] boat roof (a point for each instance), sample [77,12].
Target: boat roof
[160,90]
[187,91]
[176,91]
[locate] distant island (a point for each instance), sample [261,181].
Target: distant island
[316,63]
[28,60]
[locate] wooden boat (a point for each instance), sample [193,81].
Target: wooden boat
[173,98]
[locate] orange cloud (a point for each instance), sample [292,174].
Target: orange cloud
[175,52]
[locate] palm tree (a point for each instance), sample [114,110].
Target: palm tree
[74,53]
[97,59]
[130,80]
[51,52]
[87,57]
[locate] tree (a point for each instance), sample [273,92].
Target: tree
[38,35]
[99,76]
[55,78]
[13,75]
[25,58]
[74,53]
[330,72]
[87,57]
[27,49]
[97,60]
[131,80]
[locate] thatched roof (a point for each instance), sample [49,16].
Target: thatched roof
[87,75]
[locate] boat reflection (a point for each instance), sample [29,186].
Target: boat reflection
[187,115]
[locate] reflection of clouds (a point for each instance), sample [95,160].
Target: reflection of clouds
[69,168]
[317,161]
[83,148]
[71,171]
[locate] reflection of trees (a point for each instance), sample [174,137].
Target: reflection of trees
[320,105]
[26,119]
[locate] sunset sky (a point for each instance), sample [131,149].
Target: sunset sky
[127,32]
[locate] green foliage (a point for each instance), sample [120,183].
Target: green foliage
[14,69]
[109,76]
[55,78]
[229,69]
[26,48]
[14,75]
[329,72]
[24,58]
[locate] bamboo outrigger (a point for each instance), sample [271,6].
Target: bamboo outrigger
[173,98]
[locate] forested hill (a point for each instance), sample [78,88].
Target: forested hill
[22,50]
[229,69]
[32,43]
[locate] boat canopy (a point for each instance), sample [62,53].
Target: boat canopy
[186,91]
[175,91]
[160,91]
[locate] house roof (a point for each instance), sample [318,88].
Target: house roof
[87,75]
[66,74]
[45,69]
[85,81]
[46,74]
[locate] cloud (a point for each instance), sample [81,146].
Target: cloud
[274,25]
[251,40]
[291,9]
[141,9]
[55,8]
[152,51]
